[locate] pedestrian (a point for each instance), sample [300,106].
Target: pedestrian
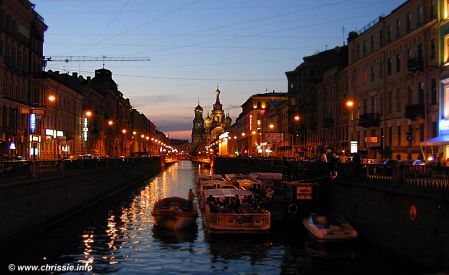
[269,194]
[333,166]
[191,197]
[323,157]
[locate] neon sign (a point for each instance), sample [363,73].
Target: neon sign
[250,122]
[32,123]
[85,128]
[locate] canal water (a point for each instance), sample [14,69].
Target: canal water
[118,236]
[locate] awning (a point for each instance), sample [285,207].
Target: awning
[441,140]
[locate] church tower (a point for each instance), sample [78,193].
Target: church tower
[198,127]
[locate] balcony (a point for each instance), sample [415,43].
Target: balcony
[415,64]
[414,111]
[369,120]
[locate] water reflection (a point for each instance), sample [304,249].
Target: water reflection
[118,236]
[174,236]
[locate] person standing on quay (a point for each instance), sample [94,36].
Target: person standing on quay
[191,197]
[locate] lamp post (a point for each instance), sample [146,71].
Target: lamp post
[124,131]
[245,148]
[296,120]
[51,103]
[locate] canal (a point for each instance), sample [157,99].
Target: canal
[117,236]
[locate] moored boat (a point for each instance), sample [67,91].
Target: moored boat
[174,213]
[329,227]
[233,211]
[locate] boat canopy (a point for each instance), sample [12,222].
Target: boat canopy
[222,193]
[440,140]
[210,177]
[265,176]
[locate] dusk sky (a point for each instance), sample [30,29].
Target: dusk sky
[243,46]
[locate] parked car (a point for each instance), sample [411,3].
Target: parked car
[12,158]
[405,162]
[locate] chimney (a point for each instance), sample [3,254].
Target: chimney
[74,74]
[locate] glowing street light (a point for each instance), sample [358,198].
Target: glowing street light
[243,134]
[51,98]
[349,103]
[88,113]
[271,125]
[110,122]
[124,131]
[296,118]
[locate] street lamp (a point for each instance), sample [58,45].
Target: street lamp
[51,98]
[110,122]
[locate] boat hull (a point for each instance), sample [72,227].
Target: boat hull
[174,213]
[235,223]
[330,234]
[174,221]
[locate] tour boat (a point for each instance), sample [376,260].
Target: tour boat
[174,213]
[329,227]
[212,184]
[202,177]
[224,215]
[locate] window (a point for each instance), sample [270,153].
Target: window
[398,63]
[372,43]
[421,131]
[364,48]
[409,21]
[389,104]
[421,92]
[398,100]
[434,128]
[372,73]
[432,9]
[381,108]
[432,49]
[390,136]
[381,70]
[420,52]
[433,91]
[399,136]
[358,51]
[389,33]
[389,65]
[409,57]
[381,38]
[409,96]
[420,16]
[398,28]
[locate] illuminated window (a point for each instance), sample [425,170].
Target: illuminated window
[446,50]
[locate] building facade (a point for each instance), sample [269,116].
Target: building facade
[246,138]
[21,60]
[302,97]
[392,76]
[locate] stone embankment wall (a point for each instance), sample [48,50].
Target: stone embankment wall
[28,205]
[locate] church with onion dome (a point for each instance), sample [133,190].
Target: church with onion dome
[208,129]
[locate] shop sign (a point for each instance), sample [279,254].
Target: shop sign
[304,193]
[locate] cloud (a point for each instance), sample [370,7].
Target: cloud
[179,134]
